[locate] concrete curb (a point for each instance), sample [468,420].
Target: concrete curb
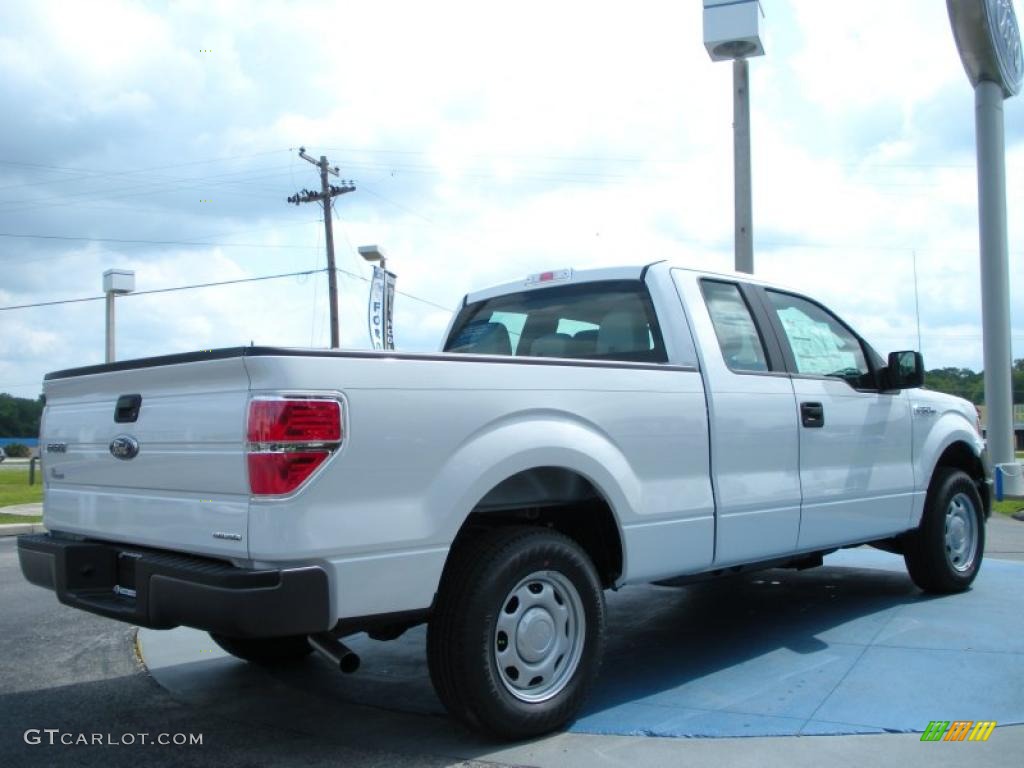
[16,529]
[33,509]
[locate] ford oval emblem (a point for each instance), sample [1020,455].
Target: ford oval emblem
[124,447]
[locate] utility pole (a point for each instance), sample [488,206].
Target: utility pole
[326,193]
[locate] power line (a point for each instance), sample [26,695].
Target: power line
[96,173]
[397,204]
[244,178]
[352,250]
[206,243]
[149,187]
[217,283]
[166,290]
[197,243]
[90,173]
[128,241]
[403,293]
[866,247]
[614,159]
[147,169]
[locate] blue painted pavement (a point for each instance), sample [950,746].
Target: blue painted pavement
[852,647]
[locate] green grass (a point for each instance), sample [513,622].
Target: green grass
[14,488]
[8,519]
[1007,507]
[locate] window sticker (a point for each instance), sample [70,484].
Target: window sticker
[817,349]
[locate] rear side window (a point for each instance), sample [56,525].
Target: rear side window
[610,320]
[737,334]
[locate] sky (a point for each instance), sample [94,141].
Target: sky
[486,142]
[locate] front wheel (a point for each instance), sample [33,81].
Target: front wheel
[944,554]
[517,633]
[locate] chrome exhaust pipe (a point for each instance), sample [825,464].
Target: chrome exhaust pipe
[332,648]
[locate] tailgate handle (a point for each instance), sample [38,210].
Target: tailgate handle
[127,409]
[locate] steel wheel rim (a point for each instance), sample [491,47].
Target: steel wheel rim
[961,535]
[539,636]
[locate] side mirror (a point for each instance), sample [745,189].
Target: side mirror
[905,370]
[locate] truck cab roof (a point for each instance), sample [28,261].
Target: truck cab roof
[626,272]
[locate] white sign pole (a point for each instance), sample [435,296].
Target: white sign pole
[988,39]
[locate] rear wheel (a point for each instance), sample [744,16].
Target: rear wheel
[517,633]
[266,651]
[944,554]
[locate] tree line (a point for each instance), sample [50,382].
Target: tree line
[19,416]
[965,383]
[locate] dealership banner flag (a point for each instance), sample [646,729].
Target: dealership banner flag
[389,310]
[381,309]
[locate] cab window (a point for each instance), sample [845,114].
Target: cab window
[606,320]
[820,343]
[741,345]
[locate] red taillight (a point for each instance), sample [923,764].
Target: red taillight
[271,474]
[304,421]
[288,439]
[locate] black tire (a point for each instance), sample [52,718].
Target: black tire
[938,553]
[464,637]
[265,651]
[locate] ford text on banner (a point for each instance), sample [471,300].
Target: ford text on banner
[376,309]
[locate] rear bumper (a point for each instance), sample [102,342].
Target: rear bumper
[161,590]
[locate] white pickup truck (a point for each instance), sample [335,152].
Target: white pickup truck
[580,431]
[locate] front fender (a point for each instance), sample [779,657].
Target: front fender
[948,429]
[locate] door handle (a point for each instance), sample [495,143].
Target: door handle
[812,415]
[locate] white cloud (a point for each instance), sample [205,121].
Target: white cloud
[487,142]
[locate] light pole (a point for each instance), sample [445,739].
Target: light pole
[380,318]
[732,31]
[988,39]
[115,282]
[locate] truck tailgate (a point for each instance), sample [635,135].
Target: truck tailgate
[186,488]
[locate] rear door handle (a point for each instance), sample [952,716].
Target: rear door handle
[812,415]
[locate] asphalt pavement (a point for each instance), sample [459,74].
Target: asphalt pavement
[1004,538]
[64,669]
[81,675]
